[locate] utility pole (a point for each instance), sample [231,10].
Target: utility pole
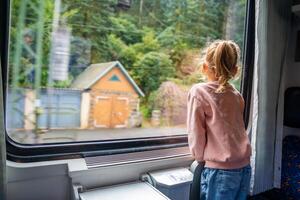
[55,24]
[17,60]
[38,65]
[34,55]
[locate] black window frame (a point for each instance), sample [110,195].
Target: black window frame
[53,151]
[248,59]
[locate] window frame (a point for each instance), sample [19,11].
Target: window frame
[248,59]
[54,151]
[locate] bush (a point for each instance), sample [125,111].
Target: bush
[146,111]
[151,70]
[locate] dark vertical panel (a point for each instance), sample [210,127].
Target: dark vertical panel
[292,107]
[248,58]
[296,2]
[297,50]
[2,147]
[4,14]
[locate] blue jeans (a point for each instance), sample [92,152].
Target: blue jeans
[219,184]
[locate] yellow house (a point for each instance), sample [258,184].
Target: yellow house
[114,96]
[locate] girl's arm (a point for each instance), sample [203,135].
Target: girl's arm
[242,102]
[196,127]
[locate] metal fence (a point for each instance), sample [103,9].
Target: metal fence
[57,108]
[60,109]
[15,110]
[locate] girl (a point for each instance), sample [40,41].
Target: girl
[217,134]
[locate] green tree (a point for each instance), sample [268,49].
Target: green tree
[28,41]
[92,22]
[168,27]
[125,29]
[151,70]
[149,42]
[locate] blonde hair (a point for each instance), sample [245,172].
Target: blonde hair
[222,56]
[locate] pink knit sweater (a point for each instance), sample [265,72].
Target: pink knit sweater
[215,125]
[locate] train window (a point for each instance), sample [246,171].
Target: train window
[297,50]
[97,70]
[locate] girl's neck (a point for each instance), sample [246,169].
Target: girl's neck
[211,79]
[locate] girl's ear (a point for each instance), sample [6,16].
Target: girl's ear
[204,68]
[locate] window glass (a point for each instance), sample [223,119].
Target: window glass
[83,70]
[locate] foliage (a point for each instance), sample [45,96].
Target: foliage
[146,110]
[63,84]
[151,70]
[150,39]
[148,43]
[125,29]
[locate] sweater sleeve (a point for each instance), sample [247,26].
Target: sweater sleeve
[242,102]
[196,127]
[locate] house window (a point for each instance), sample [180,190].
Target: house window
[114,78]
[81,72]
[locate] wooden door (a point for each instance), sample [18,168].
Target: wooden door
[111,112]
[102,111]
[120,112]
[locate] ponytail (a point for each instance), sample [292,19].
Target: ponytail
[222,56]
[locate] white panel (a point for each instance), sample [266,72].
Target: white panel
[131,191]
[43,188]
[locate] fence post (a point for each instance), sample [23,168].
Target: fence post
[85,110]
[29,110]
[155,118]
